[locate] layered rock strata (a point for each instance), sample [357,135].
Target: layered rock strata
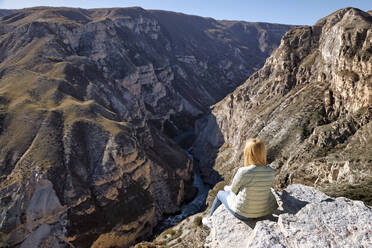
[311,104]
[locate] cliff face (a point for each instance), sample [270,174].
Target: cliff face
[310,103]
[86,98]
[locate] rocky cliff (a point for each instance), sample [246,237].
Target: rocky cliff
[311,104]
[88,100]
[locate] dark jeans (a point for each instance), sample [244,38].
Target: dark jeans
[222,198]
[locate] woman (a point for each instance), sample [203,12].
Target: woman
[249,195]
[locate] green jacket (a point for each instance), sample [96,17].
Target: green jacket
[251,195]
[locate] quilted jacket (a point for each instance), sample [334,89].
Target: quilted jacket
[251,195]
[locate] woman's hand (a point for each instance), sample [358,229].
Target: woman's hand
[227,188]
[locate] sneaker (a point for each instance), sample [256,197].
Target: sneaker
[207,221]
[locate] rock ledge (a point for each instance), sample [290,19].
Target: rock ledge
[306,218]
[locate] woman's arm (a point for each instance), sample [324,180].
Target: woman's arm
[240,179]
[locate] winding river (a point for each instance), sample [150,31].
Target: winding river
[198,203]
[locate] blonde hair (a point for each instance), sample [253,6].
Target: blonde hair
[254,152]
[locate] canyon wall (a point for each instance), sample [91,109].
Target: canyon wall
[310,103]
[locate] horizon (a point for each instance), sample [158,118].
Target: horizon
[294,12]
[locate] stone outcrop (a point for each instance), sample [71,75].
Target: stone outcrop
[306,218]
[88,101]
[311,104]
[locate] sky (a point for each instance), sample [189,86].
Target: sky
[299,12]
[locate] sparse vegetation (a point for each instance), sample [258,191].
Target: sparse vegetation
[3,240]
[198,221]
[361,191]
[310,59]
[349,74]
[146,245]
[171,232]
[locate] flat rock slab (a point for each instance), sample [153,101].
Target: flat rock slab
[227,231]
[306,218]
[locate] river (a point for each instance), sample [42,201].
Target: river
[198,203]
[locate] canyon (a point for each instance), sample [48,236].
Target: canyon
[90,101]
[311,104]
[93,102]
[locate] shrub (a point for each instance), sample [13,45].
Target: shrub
[171,232]
[198,221]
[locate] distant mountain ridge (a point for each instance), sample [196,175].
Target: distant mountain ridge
[4,12]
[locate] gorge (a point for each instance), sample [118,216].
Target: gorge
[89,103]
[311,104]
[97,107]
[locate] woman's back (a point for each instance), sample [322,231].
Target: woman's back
[252,196]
